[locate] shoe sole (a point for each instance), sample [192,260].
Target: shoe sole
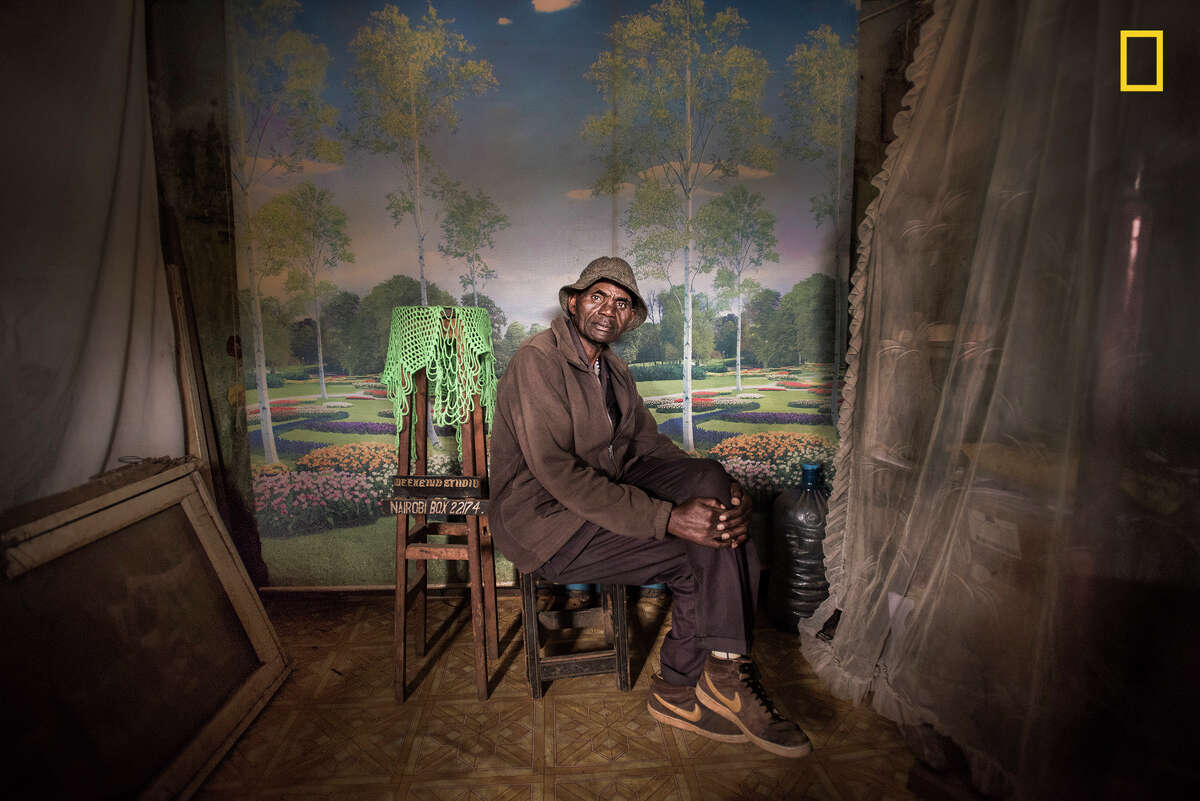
[766,745]
[670,720]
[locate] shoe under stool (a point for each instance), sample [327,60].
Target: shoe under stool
[612,615]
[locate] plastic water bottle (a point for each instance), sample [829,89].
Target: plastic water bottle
[798,585]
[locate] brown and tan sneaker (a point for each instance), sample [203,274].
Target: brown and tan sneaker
[677,706]
[732,689]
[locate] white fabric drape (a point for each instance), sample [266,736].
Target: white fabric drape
[85,323]
[1018,431]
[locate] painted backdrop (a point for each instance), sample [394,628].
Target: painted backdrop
[481,153]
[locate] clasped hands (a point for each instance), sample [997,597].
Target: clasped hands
[708,522]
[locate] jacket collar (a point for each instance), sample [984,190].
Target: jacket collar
[561,326]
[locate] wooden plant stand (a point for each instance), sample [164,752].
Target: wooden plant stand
[419,495]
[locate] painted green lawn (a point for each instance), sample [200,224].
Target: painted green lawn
[771,401]
[362,411]
[306,389]
[354,556]
[654,389]
[365,554]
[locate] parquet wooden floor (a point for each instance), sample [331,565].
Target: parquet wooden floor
[334,732]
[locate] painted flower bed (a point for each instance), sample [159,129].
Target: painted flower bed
[767,462]
[292,402]
[287,504]
[703,438]
[321,413]
[355,457]
[391,413]
[283,414]
[257,470]
[675,406]
[369,385]
[349,427]
[338,405]
[777,418]
[279,414]
[735,404]
[750,395]
[284,447]
[805,404]
[375,393]
[805,385]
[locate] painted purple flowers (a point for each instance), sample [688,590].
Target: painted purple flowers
[777,418]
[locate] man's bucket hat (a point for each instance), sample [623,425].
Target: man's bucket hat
[607,268]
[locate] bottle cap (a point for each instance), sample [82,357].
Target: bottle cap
[810,474]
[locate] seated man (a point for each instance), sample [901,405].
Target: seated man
[585,489]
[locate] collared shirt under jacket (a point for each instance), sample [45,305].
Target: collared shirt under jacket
[556,460]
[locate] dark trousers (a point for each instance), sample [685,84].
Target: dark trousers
[714,589]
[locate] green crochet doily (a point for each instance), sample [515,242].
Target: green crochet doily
[456,354]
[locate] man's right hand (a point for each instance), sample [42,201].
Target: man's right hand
[695,520]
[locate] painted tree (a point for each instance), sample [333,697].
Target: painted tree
[406,81]
[655,221]
[320,233]
[807,311]
[278,120]
[671,328]
[470,222]
[275,319]
[375,316]
[820,119]
[736,233]
[820,96]
[684,106]
[763,328]
[339,317]
[507,345]
[497,316]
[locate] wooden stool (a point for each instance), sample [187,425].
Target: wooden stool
[612,615]
[474,541]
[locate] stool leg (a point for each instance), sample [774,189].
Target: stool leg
[620,618]
[529,625]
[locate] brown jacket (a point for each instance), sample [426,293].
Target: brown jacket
[556,462]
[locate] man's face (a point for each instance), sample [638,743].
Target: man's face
[602,312]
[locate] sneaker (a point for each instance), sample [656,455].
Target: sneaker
[677,706]
[731,688]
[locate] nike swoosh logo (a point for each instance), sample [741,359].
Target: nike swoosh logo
[734,704]
[693,716]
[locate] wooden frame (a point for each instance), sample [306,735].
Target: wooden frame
[133,606]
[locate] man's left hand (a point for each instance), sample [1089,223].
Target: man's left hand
[734,523]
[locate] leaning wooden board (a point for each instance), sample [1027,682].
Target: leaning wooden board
[137,650]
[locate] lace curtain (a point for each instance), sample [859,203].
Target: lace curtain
[1014,528]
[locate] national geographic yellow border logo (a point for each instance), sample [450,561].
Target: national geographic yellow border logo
[1157,86]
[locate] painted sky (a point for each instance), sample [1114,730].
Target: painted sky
[521,144]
